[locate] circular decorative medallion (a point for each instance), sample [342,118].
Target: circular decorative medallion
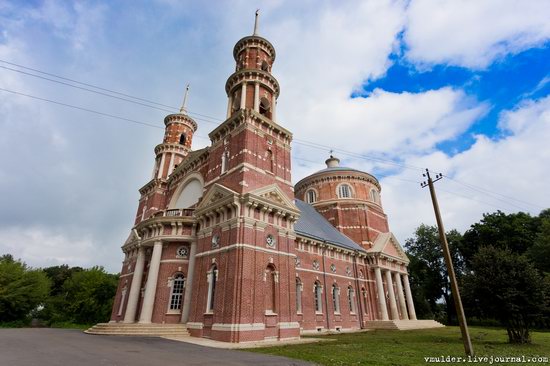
[270,241]
[316,264]
[182,252]
[297,262]
[333,268]
[215,241]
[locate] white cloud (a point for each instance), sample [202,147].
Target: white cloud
[474,33]
[511,172]
[75,177]
[47,247]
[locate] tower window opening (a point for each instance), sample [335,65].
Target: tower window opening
[344,191]
[236,102]
[265,66]
[265,107]
[183,139]
[225,158]
[311,196]
[177,292]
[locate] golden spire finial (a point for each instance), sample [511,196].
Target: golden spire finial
[183,108]
[256,23]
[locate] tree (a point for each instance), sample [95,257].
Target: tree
[22,289]
[58,275]
[539,253]
[87,296]
[505,285]
[427,267]
[515,231]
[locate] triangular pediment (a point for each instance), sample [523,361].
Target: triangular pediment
[273,193]
[132,237]
[215,194]
[388,244]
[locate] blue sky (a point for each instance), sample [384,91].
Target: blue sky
[460,88]
[502,85]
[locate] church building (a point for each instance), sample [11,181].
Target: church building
[227,248]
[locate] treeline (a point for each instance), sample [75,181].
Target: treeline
[503,269]
[54,295]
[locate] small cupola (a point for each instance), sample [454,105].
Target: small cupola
[332,162]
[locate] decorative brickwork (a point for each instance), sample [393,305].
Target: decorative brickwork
[220,244]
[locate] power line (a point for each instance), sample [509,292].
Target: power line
[297,141]
[491,193]
[172,108]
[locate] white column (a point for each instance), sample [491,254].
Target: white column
[135,288]
[151,287]
[273,107]
[171,165]
[391,293]
[381,296]
[229,106]
[161,166]
[243,95]
[257,97]
[410,304]
[189,284]
[400,297]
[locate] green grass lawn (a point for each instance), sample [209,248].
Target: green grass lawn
[384,347]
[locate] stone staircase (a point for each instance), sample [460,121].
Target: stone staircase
[136,329]
[403,324]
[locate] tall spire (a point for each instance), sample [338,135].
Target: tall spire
[256,22]
[183,108]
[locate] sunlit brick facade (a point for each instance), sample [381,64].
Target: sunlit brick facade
[224,243]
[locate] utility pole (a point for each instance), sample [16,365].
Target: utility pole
[449,262]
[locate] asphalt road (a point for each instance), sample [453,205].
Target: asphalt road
[64,347]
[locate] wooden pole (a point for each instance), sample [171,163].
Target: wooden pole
[450,269]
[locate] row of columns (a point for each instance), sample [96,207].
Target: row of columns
[151,285]
[407,307]
[256,100]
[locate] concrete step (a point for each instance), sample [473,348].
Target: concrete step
[136,329]
[403,324]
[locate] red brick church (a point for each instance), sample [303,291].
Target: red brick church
[226,245]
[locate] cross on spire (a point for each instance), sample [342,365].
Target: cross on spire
[256,22]
[183,108]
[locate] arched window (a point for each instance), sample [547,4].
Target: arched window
[183,139]
[311,196]
[374,196]
[270,287]
[298,295]
[236,102]
[225,158]
[344,191]
[178,284]
[212,278]
[265,66]
[351,300]
[270,161]
[318,291]
[190,194]
[265,107]
[336,298]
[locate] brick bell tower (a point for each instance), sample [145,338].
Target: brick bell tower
[245,261]
[175,146]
